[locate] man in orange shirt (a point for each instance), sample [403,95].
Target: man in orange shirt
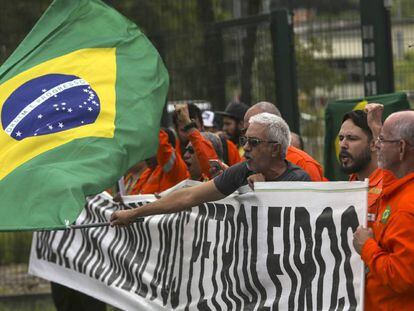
[230,153]
[388,248]
[293,155]
[357,157]
[164,171]
[200,148]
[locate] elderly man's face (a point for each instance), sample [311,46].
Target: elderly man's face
[355,148]
[388,148]
[258,157]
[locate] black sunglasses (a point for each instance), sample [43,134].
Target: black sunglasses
[254,142]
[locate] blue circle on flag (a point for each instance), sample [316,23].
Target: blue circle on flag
[49,104]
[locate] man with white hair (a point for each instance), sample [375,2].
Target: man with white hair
[293,155]
[265,145]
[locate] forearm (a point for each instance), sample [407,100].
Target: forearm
[173,203]
[204,151]
[393,263]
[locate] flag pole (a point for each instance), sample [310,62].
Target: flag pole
[99,224]
[120,189]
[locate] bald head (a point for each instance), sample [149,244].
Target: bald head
[260,107]
[401,125]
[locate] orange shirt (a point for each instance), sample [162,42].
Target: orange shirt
[204,151]
[171,169]
[306,162]
[390,254]
[374,194]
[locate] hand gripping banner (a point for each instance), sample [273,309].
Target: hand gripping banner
[285,246]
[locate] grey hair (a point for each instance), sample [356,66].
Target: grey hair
[277,129]
[216,142]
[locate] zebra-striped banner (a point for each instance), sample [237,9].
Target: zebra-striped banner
[286,246]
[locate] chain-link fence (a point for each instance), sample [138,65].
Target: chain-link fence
[239,65]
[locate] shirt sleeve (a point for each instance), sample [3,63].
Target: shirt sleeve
[232,178]
[204,151]
[314,170]
[393,265]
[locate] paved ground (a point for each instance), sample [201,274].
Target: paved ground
[14,281]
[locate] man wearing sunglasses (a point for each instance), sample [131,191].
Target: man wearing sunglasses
[265,145]
[294,155]
[388,248]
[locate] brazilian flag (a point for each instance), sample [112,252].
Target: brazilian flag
[81,100]
[333,120]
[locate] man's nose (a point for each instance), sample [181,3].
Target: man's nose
[377,144]
[343,144]
[246,146]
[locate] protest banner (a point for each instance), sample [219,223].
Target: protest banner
[285,246]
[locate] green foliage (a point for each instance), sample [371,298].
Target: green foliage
[404,72]
[16,20]
[40,303]
[313,70]
[402,9]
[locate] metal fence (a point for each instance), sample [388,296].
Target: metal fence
[328,55]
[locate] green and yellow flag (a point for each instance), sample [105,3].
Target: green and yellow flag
[81,100]
[333,120]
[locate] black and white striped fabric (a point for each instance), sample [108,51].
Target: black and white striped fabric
[274,249]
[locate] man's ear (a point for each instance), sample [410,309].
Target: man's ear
[402,149]
[276,150]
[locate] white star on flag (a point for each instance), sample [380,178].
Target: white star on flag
[70,110]
[90,109]
[50,127]
[18,134]
[60,124]
[40,116]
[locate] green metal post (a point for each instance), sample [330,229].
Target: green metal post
[284,62]
[377,47]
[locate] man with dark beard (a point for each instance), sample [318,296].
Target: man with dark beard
[233,122]
[358,157]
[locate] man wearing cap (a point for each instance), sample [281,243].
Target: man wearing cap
[208,120]
[233,122]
